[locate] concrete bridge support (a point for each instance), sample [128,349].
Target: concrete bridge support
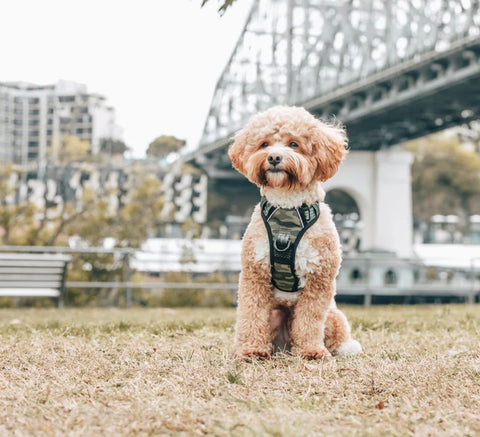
[380,183]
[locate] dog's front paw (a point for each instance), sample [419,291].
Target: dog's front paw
[248,353]
[319,353]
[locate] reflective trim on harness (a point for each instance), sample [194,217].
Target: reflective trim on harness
[285,228]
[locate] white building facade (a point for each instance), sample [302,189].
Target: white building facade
[33,116]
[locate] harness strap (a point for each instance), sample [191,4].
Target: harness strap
[285,228]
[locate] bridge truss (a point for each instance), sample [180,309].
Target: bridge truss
[367,62]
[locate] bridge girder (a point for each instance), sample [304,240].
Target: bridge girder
[417,98]
[390,70]
[348,59]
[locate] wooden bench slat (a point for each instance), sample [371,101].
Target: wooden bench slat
[22,270]
[32,263]
[35,277]
[29,284]
[35,256]
[29,292]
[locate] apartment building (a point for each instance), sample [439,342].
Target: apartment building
[35,117]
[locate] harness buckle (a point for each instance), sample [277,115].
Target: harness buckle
[282,242]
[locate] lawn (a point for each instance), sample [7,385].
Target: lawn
[155,372]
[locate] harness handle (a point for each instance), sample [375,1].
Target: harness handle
[283,240]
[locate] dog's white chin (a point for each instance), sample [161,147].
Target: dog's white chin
[276,179]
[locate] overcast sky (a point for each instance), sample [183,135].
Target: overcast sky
[156,61]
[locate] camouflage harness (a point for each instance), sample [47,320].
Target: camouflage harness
[285,228]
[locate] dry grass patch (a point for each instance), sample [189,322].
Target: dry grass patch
[169,372]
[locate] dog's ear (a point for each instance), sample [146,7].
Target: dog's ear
[236,151]
[330,146]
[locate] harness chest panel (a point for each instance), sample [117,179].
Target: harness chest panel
[285,228]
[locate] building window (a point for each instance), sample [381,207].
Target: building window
[64,99]
[390,277]
[356,275]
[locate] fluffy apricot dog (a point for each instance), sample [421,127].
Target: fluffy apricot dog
[291,252]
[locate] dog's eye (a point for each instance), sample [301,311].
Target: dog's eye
[293,144]
[264,144]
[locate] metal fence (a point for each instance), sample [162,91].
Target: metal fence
[364,276]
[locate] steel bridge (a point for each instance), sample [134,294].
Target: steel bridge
[390,70]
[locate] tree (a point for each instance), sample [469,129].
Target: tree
[92,220]
[163,145]
[445,177]
[69,148]
[129,226]
[138,217]
[111,146]
[224,4]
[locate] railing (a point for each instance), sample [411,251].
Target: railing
[361,275]
[386,275]
[126,255]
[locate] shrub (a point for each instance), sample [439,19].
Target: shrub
[191,297]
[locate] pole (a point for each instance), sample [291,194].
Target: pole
[128,275]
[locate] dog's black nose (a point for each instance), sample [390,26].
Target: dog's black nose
[274,159]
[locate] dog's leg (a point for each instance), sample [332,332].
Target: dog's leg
[253,333]
[308,323]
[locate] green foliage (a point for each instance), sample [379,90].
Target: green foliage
[176,297]
[69,148]
[139,216]
[191,229]
[224,5]
[95,267]
[445,177]
[111,146]
[130,225]
[92,220]
[187,168]
[163,145]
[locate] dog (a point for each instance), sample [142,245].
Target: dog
[291,252]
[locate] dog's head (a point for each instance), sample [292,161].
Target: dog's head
[287,147]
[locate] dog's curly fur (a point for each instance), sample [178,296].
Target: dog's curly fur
[286,151]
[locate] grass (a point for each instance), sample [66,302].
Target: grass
[144,372]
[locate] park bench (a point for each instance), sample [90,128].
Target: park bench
[33,275]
